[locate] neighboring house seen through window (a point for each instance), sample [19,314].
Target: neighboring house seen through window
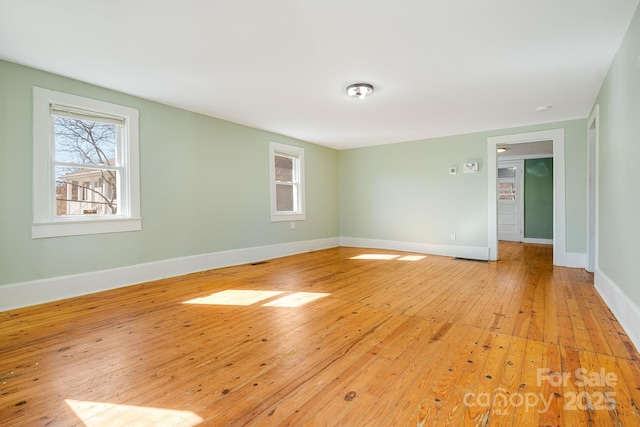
[85,166]
[286,167]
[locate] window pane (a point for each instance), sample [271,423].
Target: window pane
[507,190]
[86,191]
[506,172]
[84,141]
[284,169]
[284,197]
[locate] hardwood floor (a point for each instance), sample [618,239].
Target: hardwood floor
[325,339]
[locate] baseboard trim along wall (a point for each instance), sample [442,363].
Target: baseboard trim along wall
[538,241]
[34,292]
[625,310]
[471,252]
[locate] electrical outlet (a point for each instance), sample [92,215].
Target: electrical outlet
[453,236]
[292,225]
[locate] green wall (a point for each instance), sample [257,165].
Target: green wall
[204,187]
[619,174]
[538,198]
[404,192]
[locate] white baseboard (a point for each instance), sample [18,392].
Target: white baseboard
[34,292]
[471,252]
[538,241]
[626,311]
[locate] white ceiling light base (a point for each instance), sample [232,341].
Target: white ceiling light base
[361,90]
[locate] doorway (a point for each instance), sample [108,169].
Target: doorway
[559,208]
[510,201]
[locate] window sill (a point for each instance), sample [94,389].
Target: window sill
[83,227]
[288,217]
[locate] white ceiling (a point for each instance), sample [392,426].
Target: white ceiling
[438,67]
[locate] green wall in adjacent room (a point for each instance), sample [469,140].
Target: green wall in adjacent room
[204,187]
[538,198]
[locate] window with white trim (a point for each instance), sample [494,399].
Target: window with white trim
[85,166]
[286,169]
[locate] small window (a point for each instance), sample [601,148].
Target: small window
[507,183]
[286,167]
[85,157]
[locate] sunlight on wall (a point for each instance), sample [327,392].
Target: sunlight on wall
[100,414]
[296,300]
[235,297]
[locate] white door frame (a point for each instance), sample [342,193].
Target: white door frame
[559,208]
[593,183]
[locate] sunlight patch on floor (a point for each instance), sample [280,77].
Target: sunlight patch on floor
[235,297]
[250,297]
[296,300]
[412,258]
[100,414]
[375,256]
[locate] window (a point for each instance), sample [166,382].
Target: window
[507,183]
[85,166]
[286,168]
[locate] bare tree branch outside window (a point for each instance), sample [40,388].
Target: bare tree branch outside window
[80,188]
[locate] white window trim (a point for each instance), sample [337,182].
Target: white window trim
[45,221]
[290,150]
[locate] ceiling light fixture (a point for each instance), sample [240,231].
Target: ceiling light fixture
[544,108]
[501,149]
[361,90]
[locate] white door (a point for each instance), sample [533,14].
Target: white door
[510,201]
